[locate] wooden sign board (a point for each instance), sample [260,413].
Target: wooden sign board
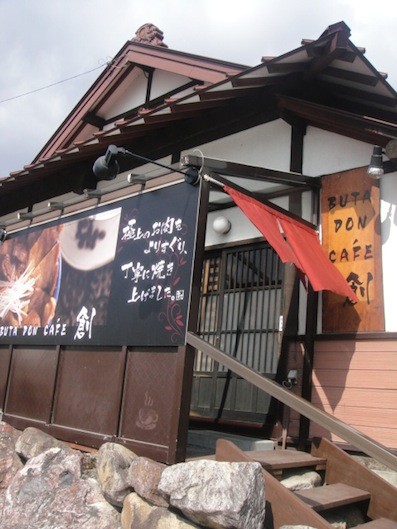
[352,240]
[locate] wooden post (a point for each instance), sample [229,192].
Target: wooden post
[308,356]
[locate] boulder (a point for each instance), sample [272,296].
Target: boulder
[345,517]
[33,442]
[8,434]
[139,514]
[113,462]
[9,460]
[296,527]
[217,494]
[49,493]
[144,475]
[302,480]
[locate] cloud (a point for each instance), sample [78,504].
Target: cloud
[43,42]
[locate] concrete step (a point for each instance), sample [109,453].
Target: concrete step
[202,442]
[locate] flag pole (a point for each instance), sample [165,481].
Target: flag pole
[209,178]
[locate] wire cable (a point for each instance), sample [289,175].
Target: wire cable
[52,84]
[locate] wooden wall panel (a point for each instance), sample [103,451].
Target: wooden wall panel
[356,381]
[156,399]
[149,391]
[373,398]
[5,357]
[31,383]
[89,390]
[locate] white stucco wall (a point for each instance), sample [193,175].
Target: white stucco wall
[388,191]
[164,82]
[125,98]
[326,152]
[241,229]
[266,145]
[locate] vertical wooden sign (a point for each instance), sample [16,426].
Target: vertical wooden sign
[352,240]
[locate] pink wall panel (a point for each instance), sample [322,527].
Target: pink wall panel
[356,381]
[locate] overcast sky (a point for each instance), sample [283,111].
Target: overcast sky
[46,41]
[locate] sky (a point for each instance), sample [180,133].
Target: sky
[44,42]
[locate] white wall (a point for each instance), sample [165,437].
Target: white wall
[388,192]
[326,152]
[266,145]
[164,82]
[125,98]
[241,229]
[132,93]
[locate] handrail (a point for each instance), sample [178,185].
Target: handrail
[302,406]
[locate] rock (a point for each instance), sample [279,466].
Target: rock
[33,442]
[302,480]
[139,514]
[113,462]
[8,434]
[49,493]
[88,466]
[296,527]
[217,494]
[345,517]
[9,460]
[144,476]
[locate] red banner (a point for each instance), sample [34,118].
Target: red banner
[295,243]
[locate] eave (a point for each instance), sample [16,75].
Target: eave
[326,83]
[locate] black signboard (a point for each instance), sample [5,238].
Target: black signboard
[118,275]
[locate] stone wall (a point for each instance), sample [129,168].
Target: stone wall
[45,484]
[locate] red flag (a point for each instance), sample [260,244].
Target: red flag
[300,246]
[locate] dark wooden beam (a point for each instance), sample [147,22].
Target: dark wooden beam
[264,80]
[322,116]
[308,359]
[230,93]
[355,77]
[251,172]
[259,197]
[36,190]
[356,94]
[94,119]
[297,136]
[288,67]
[335,49]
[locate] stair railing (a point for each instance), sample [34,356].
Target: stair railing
[344,431]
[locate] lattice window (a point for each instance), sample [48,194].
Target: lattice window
[241,305]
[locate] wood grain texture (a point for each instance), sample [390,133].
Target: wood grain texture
[356,382]
[351,238]
[341,468]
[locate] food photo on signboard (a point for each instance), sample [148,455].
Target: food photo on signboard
[29,278]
